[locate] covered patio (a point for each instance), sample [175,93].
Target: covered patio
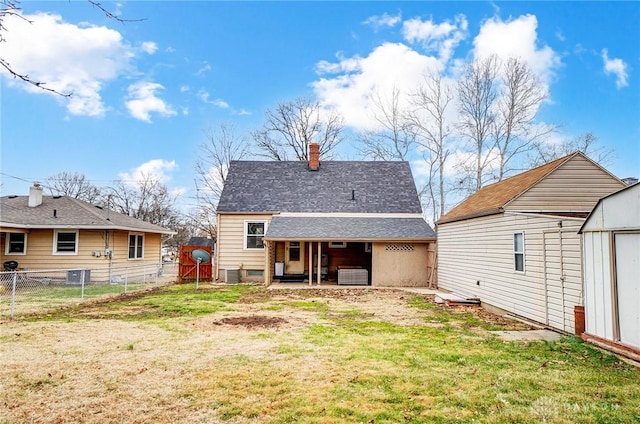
[359,251]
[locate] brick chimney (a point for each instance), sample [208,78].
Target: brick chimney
[35,195]
[314,156]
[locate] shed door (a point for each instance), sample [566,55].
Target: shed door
[628,287]
[563,278]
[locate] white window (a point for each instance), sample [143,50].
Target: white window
[254,234]
[65,242]
[16,244]
[136,246]
[518,251]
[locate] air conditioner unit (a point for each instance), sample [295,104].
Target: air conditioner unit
[75,276]
[232,275]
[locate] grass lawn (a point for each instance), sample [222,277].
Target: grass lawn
[243,354]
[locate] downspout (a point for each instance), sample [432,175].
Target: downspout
[217,268]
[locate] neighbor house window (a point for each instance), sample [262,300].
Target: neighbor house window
[518,251]
[136,244]
[65,242]
[254,234]
[16,244]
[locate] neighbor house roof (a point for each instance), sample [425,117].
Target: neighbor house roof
[348,229]
[336,187]
[492,198]
[67,212]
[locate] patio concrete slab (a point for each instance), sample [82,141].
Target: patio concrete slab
[530,335]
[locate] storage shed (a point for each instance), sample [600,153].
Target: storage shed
[611,257]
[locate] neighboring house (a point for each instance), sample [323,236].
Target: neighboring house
[611,255]
[60,232]
[362,219]
[515,245]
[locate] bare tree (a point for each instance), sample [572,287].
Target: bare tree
[148,200]
[73,184]
[394,138]
[477,93]
[586,143]
[223,146]
[428,119]
[292,126]
[513,129]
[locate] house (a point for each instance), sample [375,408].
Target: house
[60,232]
[362,219]
[514,244]
[611,256]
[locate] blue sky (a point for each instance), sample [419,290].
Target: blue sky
[145,91]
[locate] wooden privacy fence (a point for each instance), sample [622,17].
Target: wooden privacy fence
[187,269]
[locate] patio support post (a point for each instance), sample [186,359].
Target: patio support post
[310,263]
[319,262]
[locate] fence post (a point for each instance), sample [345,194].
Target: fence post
[155,279]
[13,292]
[126,278]
[82,285]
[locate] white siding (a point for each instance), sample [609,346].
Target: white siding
[231,244]
[597,285]
[475,257]
[620,211]
[576,186]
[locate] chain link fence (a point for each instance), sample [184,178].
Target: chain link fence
[27,292]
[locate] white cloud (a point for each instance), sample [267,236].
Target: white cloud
[156,169]
[204,69]
[436,37]
[244,112]
[517,38]
[384,20]
[204,96]
[616,67]
[389,66]
[143,101]
[184,88]
[67,57]
[149,47]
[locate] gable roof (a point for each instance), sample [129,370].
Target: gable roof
[337,186]
[492,198]
[69,213]
[631,213]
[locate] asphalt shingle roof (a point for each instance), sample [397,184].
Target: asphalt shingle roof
[338,186]
[69,213]
[492,198]
[348,228]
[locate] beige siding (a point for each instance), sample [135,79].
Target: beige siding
[231,247]
[476,258]
[399,264]
[576,186]
[40,251]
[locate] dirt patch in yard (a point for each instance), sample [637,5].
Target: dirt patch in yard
[252,321]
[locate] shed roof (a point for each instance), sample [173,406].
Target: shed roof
[349,228]
[337,186]
[492,198]
[617,211]
[69,213]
